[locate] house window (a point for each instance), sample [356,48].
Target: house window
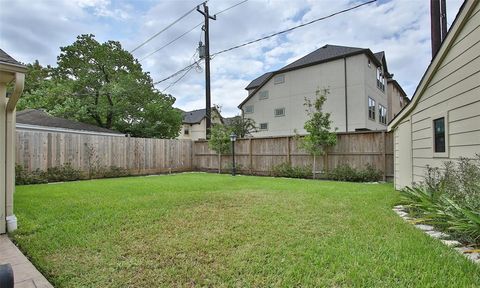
[186,131]
[279,79]
[380,79]
[263,126]
[439,135]
[248,109]
[369,64]
[262,95]
[371,108]
[279,112]
[382,114]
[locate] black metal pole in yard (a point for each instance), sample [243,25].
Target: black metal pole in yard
[233,159]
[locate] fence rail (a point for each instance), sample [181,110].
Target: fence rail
[257,156]
[42,150]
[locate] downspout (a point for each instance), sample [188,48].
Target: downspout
[346,93]
[10,135]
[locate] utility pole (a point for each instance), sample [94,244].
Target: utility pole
[208,103]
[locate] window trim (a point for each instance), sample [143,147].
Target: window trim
[447,146]
[260,126]
[245,110]
[275,112]
[374,108]
[380,116]
[260,97]
[275,82]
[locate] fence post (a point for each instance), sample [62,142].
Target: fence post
[384,154]
[289,159]
[250,156]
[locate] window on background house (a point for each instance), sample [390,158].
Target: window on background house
[263,126]
[371,108]
[279,79]
[248,109]
[262,95]
[439,135]
[186,131]
[380,79]
[382,114]
[279,112]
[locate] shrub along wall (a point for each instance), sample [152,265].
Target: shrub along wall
[262,156]
[111,156]
[101,155]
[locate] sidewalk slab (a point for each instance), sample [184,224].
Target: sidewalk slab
[25,274]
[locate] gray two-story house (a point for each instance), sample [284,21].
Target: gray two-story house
[356,79]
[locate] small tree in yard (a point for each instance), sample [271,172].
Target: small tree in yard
[220,141]
[319,137]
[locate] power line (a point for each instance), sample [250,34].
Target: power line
[164,29]
[293,28]
[178,72]
[266,37]
[180,78]
[233,6]
[166,45]
[190,30]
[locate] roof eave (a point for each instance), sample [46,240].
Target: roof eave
[465,11]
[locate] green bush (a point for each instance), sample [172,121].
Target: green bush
[108,172]
[346,173]
[287,170]
[63,173]
[449,198]
[24,177]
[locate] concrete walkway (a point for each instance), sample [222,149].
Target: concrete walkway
[26,275]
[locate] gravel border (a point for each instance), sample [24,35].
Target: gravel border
[467,251]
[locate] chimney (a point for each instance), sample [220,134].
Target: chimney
[438,18]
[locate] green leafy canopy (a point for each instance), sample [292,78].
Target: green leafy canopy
[104,85]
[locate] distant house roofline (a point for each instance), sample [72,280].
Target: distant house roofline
[33,119]
[298,64]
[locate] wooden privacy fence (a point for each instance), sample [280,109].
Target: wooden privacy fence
[41,150]
[257,156]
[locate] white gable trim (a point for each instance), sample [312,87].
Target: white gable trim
[456,28]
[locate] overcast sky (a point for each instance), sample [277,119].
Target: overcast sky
[32,30]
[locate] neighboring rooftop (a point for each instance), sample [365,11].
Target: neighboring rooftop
[258,81]
[5,58]
[42,118]
[194,116]
[324,54]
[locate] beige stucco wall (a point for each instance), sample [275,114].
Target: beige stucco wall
[197,131]
[302,83]
[453,92]
[394,100]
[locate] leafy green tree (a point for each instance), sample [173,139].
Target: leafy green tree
[220,141]
[103,84]
[242,126]
[320,136]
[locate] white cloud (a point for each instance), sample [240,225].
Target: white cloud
[400,28]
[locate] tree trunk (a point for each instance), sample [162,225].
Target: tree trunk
[314,166]
[219,163]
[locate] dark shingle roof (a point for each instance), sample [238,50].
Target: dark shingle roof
[5,58]
[323,54]
[193,117]
[379,56]
[258,81]
[41,118]
[229,120]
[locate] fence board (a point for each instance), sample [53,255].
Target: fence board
[41,150]
[259,155]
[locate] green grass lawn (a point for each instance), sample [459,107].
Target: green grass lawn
[221,231]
